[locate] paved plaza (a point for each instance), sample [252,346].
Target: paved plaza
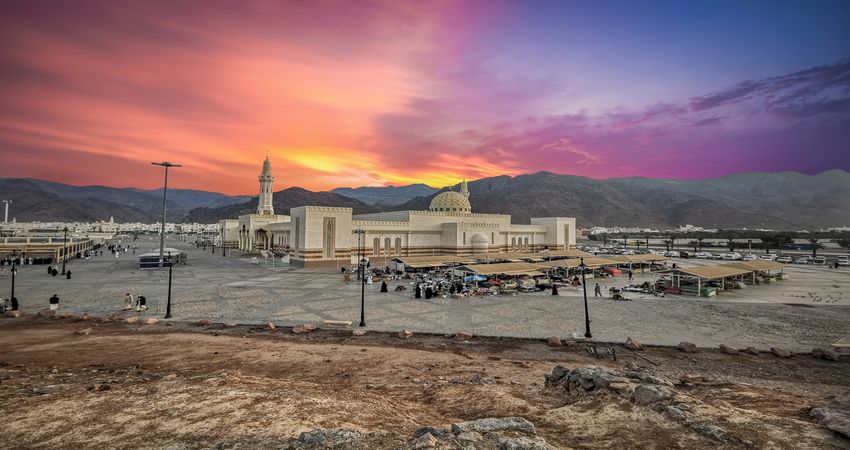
[811,309]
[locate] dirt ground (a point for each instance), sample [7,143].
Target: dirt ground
[185,386]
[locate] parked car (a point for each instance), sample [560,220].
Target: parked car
[671,254]
[819,260]
[767,257]
[732,256]
[683,254]
[844,261]
[803,260]
[750,257]
[784,260]
[716,256]
[703,255]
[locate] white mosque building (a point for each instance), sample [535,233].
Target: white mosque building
[323,235]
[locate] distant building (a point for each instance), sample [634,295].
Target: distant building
[323,235]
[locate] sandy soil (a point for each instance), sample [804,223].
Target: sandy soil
[187,386]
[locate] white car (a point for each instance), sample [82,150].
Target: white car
[767,257]
[843,261]
[671,254]
[750,257]
[819,260]
[784,260]
[803,260]
[715,256]
[703,255]
[732,257]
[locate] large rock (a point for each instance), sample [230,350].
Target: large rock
[781,352]
[554,341]
[494,424]
[752,350]
[590,378]
[359,332]
[204,323]
[728,350]
[688,347]
[328,438]
[405,334]
[632,344]
[15,314]
[469,436]
[691,378]
[463,336]
[151,321]
[646,394]
[425,441]
[270,326]
[825,353]
[559,376]
[522,443]
[132,320]
[46,314]
[835,415]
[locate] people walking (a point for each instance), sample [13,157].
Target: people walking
[128,302]
[418,292]
[68,275]
[631,275]
[597,291]
[555,289]
[54,302]
[142,303]
[384,286]
[429,292]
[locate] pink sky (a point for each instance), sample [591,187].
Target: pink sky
[377,93]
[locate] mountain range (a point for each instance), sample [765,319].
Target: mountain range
[786,200]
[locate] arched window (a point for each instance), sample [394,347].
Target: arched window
[513,244]
[376,247]
[464,238]
[525,245]
[398,246]
[387,247]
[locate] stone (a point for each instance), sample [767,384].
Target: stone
[675,414]
[440,433]
[405,334]
[691,378]
[132,320]
[15,314]
[751,350]
[204,323]
[781,352]
[46,314]
[835,415]
[712,432]
[359,332]
[646,394]
[649,379]
[469,436]
[463,336]
[229,325]
[522,443]
[632,344]
[67,315]
[631,366]
[328,438]
[688,347]
[554,341]
[86,317]
[491,424]
[728,350]
[427,440]
[590,378]
[308,327]
[83,332]
[270,326]
[151,321]
[559,375]
[825,353]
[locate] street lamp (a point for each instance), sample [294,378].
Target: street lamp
[64,249]
[168,303]
[165,164]
[586,314]
[361,250]
[14,272]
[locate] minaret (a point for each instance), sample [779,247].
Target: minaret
[463,188]
[266,181]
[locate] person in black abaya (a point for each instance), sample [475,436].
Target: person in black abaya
[384,286]
[554,289]
[418,293]
[429,292]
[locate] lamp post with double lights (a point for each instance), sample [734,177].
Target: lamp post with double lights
[168,303]
[64,249]
[14,272]
[587,334]
[361,262]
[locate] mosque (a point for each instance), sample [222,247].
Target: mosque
[326,236]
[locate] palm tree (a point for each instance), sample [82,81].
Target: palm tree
[699,241]
[815,246]
[731,243]
[668,243]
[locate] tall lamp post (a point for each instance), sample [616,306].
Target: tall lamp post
[64,250]
[586,314]
[14,272]
[6,215]
[361,250]
[165,164]
[168,303]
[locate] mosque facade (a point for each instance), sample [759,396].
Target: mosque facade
[326,236]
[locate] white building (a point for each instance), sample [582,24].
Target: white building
[322,235]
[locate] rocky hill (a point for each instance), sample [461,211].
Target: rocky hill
[386,195]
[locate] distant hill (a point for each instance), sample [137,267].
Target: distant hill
[283,201]
[49,201]
[753,200]
[787,200]
[386,195]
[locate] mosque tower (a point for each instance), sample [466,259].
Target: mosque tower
[463,188]
[266,181]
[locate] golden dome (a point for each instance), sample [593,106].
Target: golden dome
[450,201]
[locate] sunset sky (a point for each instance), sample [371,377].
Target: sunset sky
[354,93]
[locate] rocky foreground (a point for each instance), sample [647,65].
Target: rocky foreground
[143,384]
